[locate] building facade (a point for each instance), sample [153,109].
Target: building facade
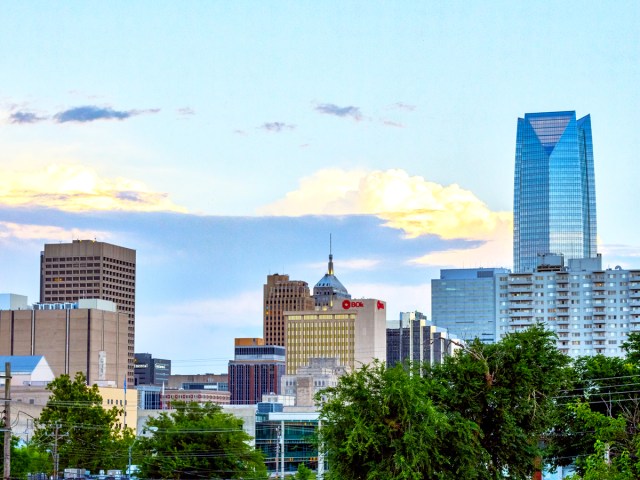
[288,440]
[151,371]
[414,341]
[86,269]
[255,370]
[279,295]
[463,302]
[308,381]
[88,336]
[353,332]
[201,381]
[591,310]
[554,202]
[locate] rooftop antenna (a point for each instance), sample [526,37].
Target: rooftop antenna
[330,257]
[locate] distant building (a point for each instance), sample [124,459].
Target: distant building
[329,290]
[169,397]
[203,381]
[151,371]
[88,336]
[279,295]
[413,340]
[26,370]
[287,440]
[87,269]
[11,301]
[554,199]
[255,370]
[353,332]
[463,302]
[309,380]
[591,309]
[125,399]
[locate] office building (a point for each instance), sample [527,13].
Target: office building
[88,336]
[200,381]
[329,290]
[256,369]
[151,371]
[591,310]
[463,302]
[353,332]
[405,338]
[288,439]
[554,201]
[170,397]
[86,269]
[309,380]
[280,295]
[413,341]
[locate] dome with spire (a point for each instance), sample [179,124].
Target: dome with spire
[329,289]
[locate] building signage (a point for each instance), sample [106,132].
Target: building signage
[347,304]
[380,305]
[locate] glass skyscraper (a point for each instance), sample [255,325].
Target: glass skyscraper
[554,201]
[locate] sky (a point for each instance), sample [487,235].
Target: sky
[226,141]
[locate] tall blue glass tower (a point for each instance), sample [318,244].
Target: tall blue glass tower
[554,201]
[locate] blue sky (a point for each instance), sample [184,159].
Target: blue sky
[249,131]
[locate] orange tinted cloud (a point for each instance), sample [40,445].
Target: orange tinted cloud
[409,203]
[45,232]
[75,188]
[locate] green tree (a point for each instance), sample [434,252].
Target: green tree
[606,386]
[632,348]
[197,441]
[27,458]
[304,473]
[380,423]
[508,390]
[484,413]
[613,456]
[76,425]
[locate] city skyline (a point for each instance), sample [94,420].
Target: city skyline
[227,142]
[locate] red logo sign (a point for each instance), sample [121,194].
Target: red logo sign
[347,304]
[380,305]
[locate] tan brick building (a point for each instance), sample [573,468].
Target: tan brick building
[282,294]
[352,332]
[93,338]
[87,269]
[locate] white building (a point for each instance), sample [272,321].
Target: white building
[590,309]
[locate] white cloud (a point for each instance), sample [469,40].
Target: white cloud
[10,230]
[410,203]
[74,187]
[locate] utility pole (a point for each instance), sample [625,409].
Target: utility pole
[282,447]
[321,452]
[56,456]
[7,421]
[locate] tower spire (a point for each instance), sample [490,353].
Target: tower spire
[330,270]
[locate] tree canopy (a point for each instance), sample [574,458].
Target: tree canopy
[76,426]
[197,441]
[482,414]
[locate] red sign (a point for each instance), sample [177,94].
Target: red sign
[380,305]
[347,304]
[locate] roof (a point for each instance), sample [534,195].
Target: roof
[20,364]
[332,282]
